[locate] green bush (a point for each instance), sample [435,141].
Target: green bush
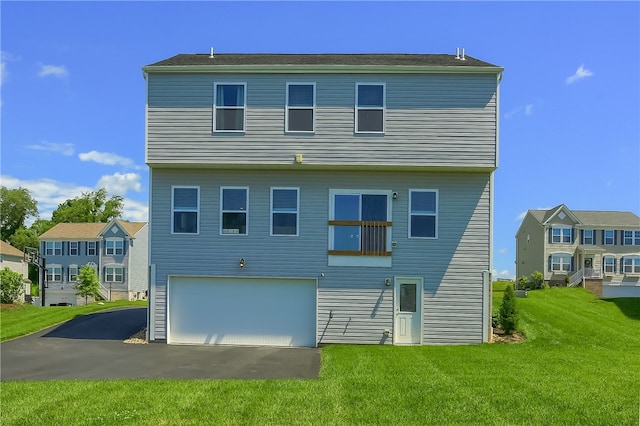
[536,279]
[508,314]
[523,283]
[11,286]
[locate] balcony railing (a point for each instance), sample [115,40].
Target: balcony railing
[576,278]
[373,238]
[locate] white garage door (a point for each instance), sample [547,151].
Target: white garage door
[241,311]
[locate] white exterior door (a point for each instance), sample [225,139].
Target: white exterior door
[241,311]
[408,311]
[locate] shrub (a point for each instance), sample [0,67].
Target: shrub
[11,286]
[508,314]
[523,283]
[536,279]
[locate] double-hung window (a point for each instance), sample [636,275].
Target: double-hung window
[423,213]
[229,107]
[284,211]
[114,274]
[609,237]
[301,103]
[114,246]
[370,107]
[73,273]
[609,264]
[360,223]
[185,208]
[631,238]
[588,237]
[54,273]
[561,234]
[73,248]
[235,206]
[560,262]
[53,248]
[91,248]
[631,264]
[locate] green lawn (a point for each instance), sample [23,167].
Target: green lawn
[24,319]
[580,365]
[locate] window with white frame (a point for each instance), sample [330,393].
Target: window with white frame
[588,236]
[91,248]
[560,262]
[284,211]
[360,223]
[609,237]
[370,108]
[301,103]
[229,107]
[609,264]
[631,238]
[114,274]
[73,273]
[54,273]
[561,234]
[114,246]
[423,213]
[631,264]
[73,248]
[234,202]
[185,209]
[53,248]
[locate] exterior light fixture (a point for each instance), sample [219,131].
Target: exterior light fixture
[242,262]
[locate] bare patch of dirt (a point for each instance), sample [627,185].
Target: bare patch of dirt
[9,306]
[139,338]
[499,336]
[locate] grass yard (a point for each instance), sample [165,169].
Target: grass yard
[19,320]
[579,366]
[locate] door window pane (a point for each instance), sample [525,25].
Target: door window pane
[408,297]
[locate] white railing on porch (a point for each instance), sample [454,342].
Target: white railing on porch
[577,278]
[104,292]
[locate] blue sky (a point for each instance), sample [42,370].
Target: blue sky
[72,91]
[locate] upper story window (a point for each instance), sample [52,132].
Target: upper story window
[91,248]
[185,209]
[54,273]
[370,107]
[301,103]
[560,262]
[609,237]
[631,264]
[631,238]
[588,236]
[73,248]
[73,273]
[423,213]
[284,211]
[114,246]
[53,248]
[359,223]
[234,208]
[609,264]
[561,234]
[229,105]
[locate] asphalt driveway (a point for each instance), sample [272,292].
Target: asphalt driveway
[92,347]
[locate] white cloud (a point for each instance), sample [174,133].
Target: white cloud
[4,71]
[580,73]
[528,109]
[59,71]
[503,250]
[60,148]
[106,158]
[520,110]
[50,193]
[502,274]
[120,183]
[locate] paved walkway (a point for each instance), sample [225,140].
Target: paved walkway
[91,347]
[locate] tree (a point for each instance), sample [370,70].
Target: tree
[11,286]
[16,205]
[87,283]
[508,316]
[89,207]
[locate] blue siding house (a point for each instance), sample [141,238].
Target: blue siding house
[305,199]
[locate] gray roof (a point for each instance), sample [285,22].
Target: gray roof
[596,218]
[321,59]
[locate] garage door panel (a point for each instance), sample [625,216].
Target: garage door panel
[242,311]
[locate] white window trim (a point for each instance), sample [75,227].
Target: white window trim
[635,237]
[562,228]
[561,271]
[584,237]
[69,269]
[287,107]
[95,248]
[196,210]
[243,107]
[77,243]
[297,212]
[613,238]
[222,211]
[604,264]
[53,248]
[115,242]
[361,261]
[436,213]
[634,259]
[113,266]
[384,108]
[50,273]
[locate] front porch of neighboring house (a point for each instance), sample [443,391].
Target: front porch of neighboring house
[589,266]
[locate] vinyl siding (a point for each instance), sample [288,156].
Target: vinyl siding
[139,261]
[432,120]
[362,305]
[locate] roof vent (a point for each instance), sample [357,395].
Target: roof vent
[458,56]
[211,55]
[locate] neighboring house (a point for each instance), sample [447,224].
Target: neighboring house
[306,199]
[117,251]
[12,258]
[598,249]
